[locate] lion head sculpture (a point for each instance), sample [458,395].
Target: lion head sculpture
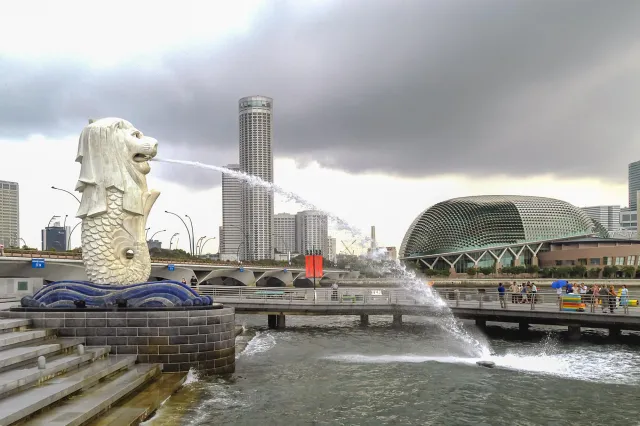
[113,154]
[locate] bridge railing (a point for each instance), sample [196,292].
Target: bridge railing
[545,299]
[291,295]
[462,298]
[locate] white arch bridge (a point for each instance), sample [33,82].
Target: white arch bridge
[211,274]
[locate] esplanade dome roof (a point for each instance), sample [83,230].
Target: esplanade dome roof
[469,223]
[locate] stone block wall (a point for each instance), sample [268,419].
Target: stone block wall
[178,339]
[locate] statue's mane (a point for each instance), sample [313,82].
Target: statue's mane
[105,163]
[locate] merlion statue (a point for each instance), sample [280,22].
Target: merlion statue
[115,201]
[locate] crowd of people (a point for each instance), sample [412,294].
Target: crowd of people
[607,298]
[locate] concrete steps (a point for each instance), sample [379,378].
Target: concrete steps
[71,389]
[11,358]
[17,407]
[83,408]
[8,325]
[16,338]
[21,377]
[144,404]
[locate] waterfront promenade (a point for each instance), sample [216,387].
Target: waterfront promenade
[471,304]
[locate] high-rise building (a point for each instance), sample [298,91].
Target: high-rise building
[9,214]
[607,216]
[330,252]
[54,238]
[634,184]
[312,231]
[284,233]
[255,116]
[231,231]
[628,218]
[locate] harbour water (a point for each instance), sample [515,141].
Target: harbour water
[331,371]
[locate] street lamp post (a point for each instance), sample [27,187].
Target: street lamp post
[155,233]
[65,221]
[146,233]
[68,192]
[51,220]
[171,241]
[198,244]
[193,235]
[205,242]
[69,237]
[185,226]
[23,242]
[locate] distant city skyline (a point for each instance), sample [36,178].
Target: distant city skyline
[501,111]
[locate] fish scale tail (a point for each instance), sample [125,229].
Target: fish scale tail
[105,241]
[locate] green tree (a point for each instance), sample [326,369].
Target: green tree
[472,272]
[533,269]
[578,271]
[486,270]
[609,271]
[507,270]
[517,270]
[443,272]
[563,271]
[629,271]
[594,272]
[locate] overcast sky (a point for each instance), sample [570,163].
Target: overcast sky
[382,107]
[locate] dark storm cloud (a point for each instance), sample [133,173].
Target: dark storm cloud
[413,88]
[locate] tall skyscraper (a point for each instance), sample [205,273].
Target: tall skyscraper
[607,216]
[312,231]
[9,214]
[231,235]
[284,232]
[255,116]
[54,238]
[331,251]
[634,184]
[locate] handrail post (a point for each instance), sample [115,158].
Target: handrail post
[533,300]
[456,292]
[480,299]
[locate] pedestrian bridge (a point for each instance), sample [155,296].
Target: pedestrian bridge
[66,268]
[463,303]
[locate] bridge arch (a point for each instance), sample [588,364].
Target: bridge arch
[275,278]
[231,277]
[160,273]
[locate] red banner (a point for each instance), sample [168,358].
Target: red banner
[313,266]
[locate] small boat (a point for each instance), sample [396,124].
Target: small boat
[488,364]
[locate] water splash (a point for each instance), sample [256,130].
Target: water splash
[408,279]
[262,342]
[544,359]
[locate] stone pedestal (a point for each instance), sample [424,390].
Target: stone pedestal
[364,320]
[177,338]
[574,332]
[397,320]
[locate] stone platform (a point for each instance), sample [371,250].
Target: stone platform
[202,337]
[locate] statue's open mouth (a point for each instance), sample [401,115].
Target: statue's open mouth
[141,158]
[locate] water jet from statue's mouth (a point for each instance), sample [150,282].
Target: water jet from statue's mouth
[141,158]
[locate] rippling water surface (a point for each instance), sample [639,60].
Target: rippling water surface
[330,371]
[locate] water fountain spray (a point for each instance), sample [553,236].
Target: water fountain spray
[424,293]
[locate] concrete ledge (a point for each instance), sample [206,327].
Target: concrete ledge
[178,339]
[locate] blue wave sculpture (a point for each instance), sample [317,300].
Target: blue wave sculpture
[157,294]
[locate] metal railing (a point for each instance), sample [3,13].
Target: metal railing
[460,298]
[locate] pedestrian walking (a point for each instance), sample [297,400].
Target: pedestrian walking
[624,299]
[501,294]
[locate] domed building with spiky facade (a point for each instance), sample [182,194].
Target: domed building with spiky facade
[509,230]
